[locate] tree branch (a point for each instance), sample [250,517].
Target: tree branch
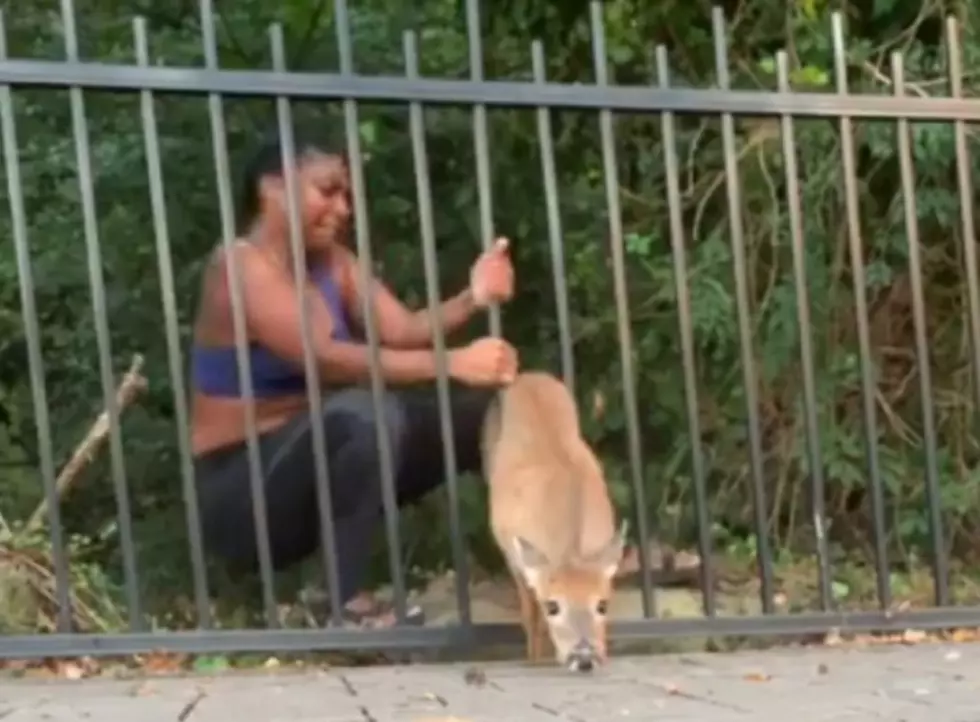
[132,384]
[306,44]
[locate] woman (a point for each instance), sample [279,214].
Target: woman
[272,318]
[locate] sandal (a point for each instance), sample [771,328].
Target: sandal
[372,618]
[319,611]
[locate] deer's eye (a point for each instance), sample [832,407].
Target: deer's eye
[552,608]
[602,607]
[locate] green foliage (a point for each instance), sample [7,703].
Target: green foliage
[28,589]
[757,29]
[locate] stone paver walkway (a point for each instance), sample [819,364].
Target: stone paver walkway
[929,682]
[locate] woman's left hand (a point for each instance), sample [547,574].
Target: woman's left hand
[492,276]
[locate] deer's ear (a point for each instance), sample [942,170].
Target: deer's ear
[609,557]
[531,562]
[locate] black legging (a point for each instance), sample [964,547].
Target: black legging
[412,418]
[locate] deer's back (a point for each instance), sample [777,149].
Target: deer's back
[545,483]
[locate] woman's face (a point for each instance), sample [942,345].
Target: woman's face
[324,199]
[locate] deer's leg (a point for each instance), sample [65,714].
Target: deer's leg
[546,648]
[528,609]
[536,624]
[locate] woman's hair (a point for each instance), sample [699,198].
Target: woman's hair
[267,161]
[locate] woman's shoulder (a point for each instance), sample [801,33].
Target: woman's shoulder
[246,259]
[243,259]
[237,248]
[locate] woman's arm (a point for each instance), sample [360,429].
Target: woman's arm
[273,319]
[400,327]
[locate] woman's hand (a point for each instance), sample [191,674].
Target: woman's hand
[485,362]
[492,276]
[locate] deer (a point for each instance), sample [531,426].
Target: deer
[552,519]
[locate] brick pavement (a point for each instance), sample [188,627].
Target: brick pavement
[929,682]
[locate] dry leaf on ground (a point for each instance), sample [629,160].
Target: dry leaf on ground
[965,635]
[475,676]
[914,636]
[14,665]
[70,670]
[161,663]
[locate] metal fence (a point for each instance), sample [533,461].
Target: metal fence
[78,76]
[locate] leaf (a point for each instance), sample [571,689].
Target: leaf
[70,670]
[914,636]
[811,75]
[217,663]
[638,244]
[965,635]
[621,54]
[882,7]
[809,8]
[161,663]
[475,676]
[369,134]
[840,589]
[16,666]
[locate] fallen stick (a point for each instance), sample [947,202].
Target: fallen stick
[131,385]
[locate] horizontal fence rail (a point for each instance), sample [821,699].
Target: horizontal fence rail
[284,86]
[334,86]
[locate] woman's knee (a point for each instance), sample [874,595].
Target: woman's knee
[356,412]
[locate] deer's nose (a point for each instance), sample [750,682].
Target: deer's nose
[582,658]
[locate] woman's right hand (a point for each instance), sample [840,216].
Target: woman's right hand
[487,361]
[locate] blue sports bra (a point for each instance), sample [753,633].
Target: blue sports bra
[214,369]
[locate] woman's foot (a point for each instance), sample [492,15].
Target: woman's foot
[363,610]
[367,611]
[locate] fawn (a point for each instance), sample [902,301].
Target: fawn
[552,519]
